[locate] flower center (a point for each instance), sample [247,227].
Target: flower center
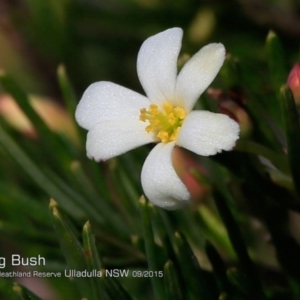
[165,123]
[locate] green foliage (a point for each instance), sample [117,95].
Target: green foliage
[237,241]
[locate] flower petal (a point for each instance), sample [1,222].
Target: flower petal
[108,139]
[157,64]
[103,101]
[161,184]
[207,133]
[198,73]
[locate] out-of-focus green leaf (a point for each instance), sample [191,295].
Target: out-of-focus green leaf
[37,175]
[23,293]
[72,250]
[277,71]
[276,62]
[172,282]
[295,286]
[234,79]
[215,229]
[6,289]
[224,296]
[113,288]
[241,284]
[229,72]
[150,247]
[93,261]
[192,273]
[50,140]
[99,206]
[292,128]
[286,246]
[67,90]
[219,268]
[278,159]
[49,19]
[238,244]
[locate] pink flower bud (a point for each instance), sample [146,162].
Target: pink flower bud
[294,82]
[191,172]
[233,106]
[236,112]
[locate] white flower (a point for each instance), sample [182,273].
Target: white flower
[119,119]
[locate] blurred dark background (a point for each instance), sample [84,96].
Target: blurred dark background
[99,40]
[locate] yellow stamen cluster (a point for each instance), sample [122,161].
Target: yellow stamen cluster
[165,123]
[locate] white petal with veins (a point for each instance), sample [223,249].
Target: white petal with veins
[157,64]
[108,139]
[103,101]
[207,133]
[198,73]
[161,184]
